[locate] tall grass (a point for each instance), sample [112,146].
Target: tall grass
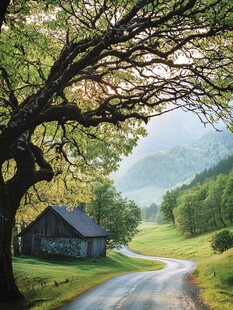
[48,284]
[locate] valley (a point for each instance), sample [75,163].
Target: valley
[149,178]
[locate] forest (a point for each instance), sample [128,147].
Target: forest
[206,204]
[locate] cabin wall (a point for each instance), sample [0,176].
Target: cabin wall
[37,245]
[51,225]
[96,247]
[26,244]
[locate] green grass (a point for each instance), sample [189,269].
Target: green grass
[214,273]
[215,278]
[48,284]
[165,241]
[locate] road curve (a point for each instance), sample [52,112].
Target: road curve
[162,289]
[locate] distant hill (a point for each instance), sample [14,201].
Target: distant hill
[165,132]
[225,166]
[163,170]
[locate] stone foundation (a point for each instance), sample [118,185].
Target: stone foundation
[73,247]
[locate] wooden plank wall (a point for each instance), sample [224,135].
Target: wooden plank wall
[97,247]
[52,226]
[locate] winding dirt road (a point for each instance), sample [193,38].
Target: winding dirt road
[164,289]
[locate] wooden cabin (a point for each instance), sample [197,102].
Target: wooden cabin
[61,230]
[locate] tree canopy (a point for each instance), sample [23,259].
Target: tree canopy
[77,78]
[118,215]
[222,241]
[202,207]
[168,205]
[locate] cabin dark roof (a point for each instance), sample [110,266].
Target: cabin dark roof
[81,222]
[77,219]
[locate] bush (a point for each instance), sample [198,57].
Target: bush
[222,241]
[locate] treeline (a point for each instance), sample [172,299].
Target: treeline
[152,213]
[224,166]
[205,206]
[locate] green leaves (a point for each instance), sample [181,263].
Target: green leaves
[119,216]
[203,207]
[168,205]
[222,241]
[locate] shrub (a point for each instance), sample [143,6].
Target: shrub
[222,241]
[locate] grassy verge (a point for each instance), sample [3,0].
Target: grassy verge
[48,284]
[215,278]
[214,273]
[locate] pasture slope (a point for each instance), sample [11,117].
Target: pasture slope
[214,272]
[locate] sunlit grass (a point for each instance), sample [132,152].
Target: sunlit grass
[165,241]
[48,284]
[214,273]
[215,277]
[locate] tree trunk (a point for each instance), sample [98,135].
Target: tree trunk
[220,216]
[214,217]
[9,291]
[15,242]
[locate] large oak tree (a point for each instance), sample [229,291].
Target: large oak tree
[81,68]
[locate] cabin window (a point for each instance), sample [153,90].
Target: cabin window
[37,242]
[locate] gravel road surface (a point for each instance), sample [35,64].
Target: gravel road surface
[164,289]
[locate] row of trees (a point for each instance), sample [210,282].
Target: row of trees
[202,207]
[152,213]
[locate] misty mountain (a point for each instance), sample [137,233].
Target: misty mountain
[164,132]
[152,175]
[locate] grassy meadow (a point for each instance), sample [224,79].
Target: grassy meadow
[165,241]
[48,284]
[214,272]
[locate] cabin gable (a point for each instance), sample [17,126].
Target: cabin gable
[51,225]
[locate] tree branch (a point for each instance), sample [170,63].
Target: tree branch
[4,6]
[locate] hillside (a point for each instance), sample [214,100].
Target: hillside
[223,167]
[164,132]
[214,273]
[163,170]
